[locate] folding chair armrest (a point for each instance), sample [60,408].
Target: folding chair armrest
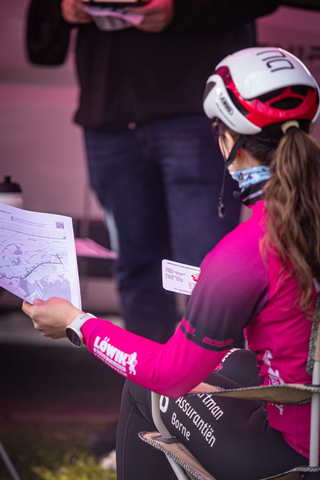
[285,394]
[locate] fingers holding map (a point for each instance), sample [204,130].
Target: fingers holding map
[38,256]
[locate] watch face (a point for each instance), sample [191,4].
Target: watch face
[73,337]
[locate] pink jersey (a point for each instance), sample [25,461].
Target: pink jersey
[237,290]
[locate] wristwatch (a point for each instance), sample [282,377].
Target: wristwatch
[73,331]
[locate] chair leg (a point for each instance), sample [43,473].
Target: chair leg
[178,470]
[315,417]
[8,463]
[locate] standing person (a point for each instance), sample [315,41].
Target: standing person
[151,159]
[261,278]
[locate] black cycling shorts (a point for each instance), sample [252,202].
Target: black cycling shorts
[230,437]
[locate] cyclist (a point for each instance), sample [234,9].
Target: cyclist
[262,278]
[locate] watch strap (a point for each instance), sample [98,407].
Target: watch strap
[73,331]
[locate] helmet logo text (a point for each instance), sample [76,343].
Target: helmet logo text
[276,61]
[226,104]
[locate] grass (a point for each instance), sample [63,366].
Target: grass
[51,451]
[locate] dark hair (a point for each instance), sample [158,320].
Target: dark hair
[292,197]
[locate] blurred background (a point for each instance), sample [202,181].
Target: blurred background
[42,150]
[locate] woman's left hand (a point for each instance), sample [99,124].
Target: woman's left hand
[51,317]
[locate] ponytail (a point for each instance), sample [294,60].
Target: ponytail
[292,198]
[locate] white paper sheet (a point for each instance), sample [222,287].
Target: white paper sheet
[114,18]
[38,256]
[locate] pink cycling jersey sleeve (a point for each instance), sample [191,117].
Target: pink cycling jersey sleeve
[172,369]
[229,293]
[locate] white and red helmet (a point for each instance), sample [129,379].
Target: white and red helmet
[257,87]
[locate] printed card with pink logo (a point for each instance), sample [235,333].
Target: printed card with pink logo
[179,277]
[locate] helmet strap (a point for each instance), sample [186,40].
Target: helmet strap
[236,147]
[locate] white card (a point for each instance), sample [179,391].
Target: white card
[178,277]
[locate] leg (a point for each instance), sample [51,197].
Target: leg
[230,437]
[192,170]
[130,191]
[240,366]
[135,459]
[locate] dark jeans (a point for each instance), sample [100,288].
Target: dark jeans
[231,438]
[159,185]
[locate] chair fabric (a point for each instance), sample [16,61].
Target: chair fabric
[297,473]
[181,455]
[285,394]
[178,452]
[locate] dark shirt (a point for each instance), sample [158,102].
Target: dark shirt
[129,77]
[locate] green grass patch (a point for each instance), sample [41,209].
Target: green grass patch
[51,451]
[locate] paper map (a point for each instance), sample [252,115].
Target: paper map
[38,256]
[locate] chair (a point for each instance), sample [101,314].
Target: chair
[8,463]
[185,464]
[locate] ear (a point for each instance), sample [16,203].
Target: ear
[229,141]
[226,143]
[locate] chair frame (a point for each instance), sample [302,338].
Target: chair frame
[8,463]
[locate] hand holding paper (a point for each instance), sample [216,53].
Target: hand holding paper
[51,317]
[73,12]
[158,15]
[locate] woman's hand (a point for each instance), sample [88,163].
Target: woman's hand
[158,15]
[51,317]
[72,12]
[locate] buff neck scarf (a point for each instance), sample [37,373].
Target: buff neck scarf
[250,176]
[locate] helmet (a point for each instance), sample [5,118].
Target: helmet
[257,87]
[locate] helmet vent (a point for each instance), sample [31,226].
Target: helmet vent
[287,98]
[209,86]
[236,102]
[301,90]
[270,95]
[287,103]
